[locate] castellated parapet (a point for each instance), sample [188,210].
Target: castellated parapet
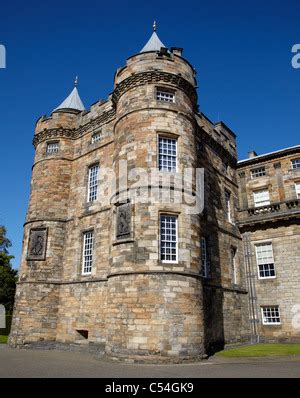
[137,299]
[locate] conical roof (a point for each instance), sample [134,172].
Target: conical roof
[154,43]
[73,101]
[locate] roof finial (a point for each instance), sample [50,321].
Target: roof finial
[154,26]
[76,81]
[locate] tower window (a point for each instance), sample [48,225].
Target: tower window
[296,163]
[87,258]
[233,265]
[204,258]
[93,183]
[52,147]
[261,198]
[271,315]
[167,153]
[168,239]
[265,260]
[165,96]
[96,137]
[259,172]
[228,206]
[297,187]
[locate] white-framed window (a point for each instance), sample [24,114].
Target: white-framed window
[261,198]
[233,265]
[96,137]
[93,183]
[168,238]
[228,205]
[87,255]
[296,163]
[297,188]
[258,172]
[165,96]
[204,258]
[167,154]
[52,147]
[265,260]
[271,315]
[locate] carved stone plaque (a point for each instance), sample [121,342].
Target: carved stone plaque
[37,244]
[123,221]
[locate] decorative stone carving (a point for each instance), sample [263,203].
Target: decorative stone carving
[37,244]
[123,221]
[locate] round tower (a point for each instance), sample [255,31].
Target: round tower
[44,229]
[154,298]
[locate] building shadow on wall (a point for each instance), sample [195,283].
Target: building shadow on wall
[213,296]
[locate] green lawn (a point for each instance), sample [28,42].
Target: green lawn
[3,339]
[261,350]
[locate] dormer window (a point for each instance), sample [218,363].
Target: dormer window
[165,95]
[52,147]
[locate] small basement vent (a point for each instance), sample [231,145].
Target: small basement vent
[83,333]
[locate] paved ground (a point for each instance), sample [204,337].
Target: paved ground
[39,363]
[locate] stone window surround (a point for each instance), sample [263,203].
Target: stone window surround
[81,262]
[177,215]
[167,90]
[274,307]
[174,136]
[261,188]
[86,182]
[254,173]
[297,188]
[49,143]
[294,159]
[234,264]
[228,208]
[96,137]
[260,242]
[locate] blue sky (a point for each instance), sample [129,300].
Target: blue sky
[240,49]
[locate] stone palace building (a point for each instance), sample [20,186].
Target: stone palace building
[114,258]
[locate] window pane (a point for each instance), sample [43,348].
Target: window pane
[204,258]
[296,163]
[259,172]
[87,263]
[93,183]
[261,198]
[265,260]
[167,154]
[165,96]
[297,187]
[96,137]
[52,147]
[271,315]
[168,238]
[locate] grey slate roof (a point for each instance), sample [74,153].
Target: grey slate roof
[73,101]
[153,44]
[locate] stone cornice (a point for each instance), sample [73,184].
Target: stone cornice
[45,134]
[152,77]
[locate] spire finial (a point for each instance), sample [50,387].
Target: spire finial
[154,26]
[76,81]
